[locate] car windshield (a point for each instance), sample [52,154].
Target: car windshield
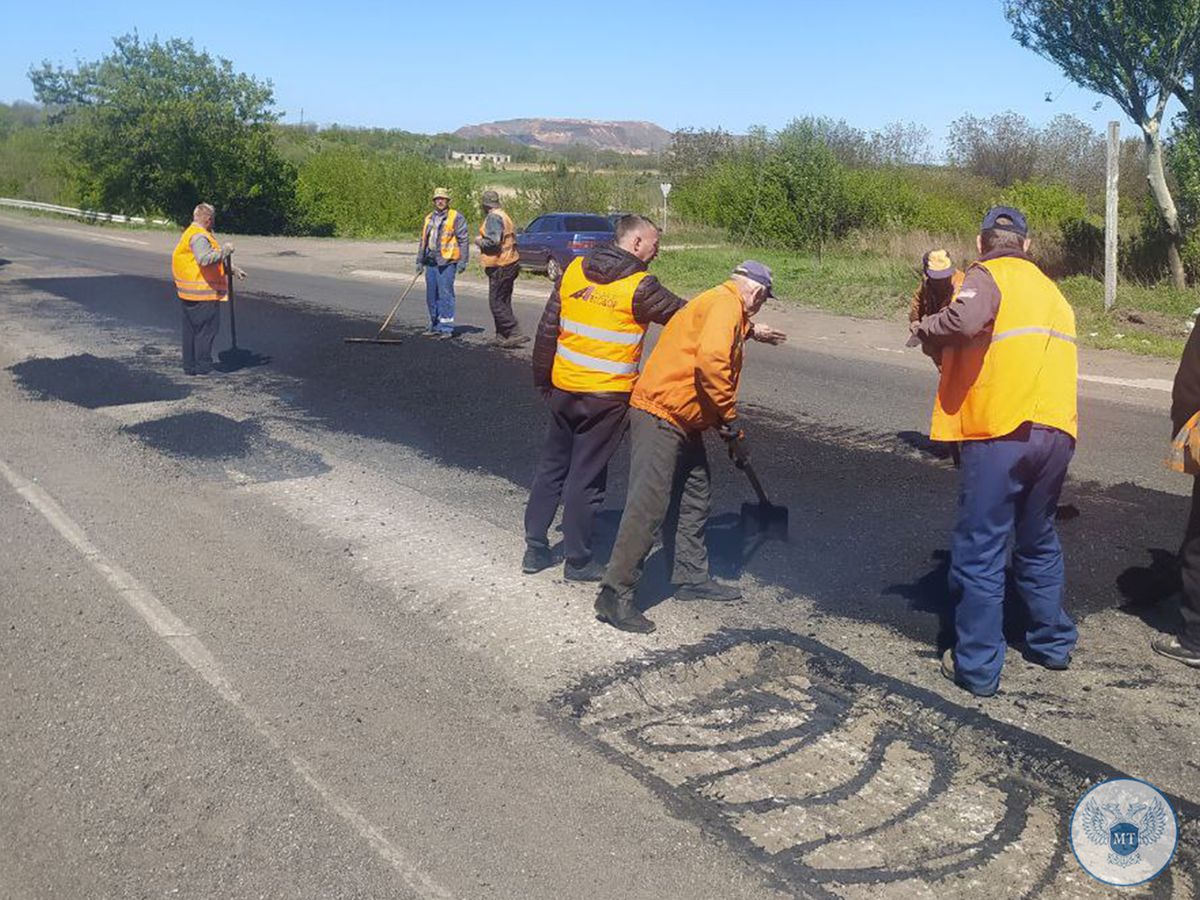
[586,223]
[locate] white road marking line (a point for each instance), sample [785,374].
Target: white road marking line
[1148,384]
[180,638]
[98,237]
[379,273]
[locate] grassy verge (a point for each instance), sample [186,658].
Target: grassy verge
[1149,320]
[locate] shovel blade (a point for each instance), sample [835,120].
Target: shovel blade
[765,519]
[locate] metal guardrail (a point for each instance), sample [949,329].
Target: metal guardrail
[89,215]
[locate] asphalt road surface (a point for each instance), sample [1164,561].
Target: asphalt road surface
[264,634]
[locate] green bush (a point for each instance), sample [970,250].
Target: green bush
[353,192]
[1047,205]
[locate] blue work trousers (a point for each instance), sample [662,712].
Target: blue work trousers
[439,297]
[1010,486]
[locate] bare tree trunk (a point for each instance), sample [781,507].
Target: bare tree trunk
[1157,176]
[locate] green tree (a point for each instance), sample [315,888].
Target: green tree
[158,127]
[1137,52]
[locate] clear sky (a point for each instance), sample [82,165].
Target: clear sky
[439,64]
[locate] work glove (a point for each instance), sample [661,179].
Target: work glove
[420,267]
[735,440]
[227,251]
[460,267]
[239,273]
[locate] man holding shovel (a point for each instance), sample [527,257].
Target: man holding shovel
[200,267]
[689,385]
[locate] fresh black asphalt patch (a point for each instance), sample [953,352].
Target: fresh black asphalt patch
[214,444]
[94,382]
[870,522]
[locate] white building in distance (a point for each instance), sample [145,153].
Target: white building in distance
[478,159]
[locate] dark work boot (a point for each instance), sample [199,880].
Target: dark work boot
[1171,648]
[708,590]
[620,613]
[536,559]
[588,571]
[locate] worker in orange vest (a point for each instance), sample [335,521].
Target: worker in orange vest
[689,385]
[1008,394]
[497,244]
[200,267]
[442,253]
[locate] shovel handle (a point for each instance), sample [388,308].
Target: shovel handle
[755,483]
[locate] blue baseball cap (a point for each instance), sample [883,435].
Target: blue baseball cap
[756,271]
[1006,218]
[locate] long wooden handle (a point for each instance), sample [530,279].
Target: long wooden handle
[388,320]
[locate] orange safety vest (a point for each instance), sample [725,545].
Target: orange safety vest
[192,280]
[599,340]
[508,242]
[449,240]
[1025,371]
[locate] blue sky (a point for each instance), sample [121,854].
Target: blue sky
[703,64]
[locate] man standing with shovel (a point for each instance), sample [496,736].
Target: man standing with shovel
[201,267]
[689,385]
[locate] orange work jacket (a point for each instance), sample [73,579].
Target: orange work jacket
[691,378]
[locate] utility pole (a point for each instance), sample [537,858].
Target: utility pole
[1110,215]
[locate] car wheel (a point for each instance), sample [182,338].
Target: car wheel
[553,269]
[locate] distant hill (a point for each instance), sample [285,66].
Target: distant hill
[549,134]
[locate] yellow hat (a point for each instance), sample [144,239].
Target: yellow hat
[937,264]
[442,193]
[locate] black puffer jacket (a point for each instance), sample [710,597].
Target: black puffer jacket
[651,303]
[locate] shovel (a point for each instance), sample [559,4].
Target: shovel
[379,338]
[763,519]
[235,357]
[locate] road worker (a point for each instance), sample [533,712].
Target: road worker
[199,265]
[442,252]
[1184,646]
[940,281]
[585,362]
[1008,393]
[690,384]
[497,243]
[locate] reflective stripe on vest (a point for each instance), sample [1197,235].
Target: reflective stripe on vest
[1025,372]
[449,237]
[192,280]
[508,242]
[599,340]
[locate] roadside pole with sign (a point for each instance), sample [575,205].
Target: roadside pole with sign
[665,187]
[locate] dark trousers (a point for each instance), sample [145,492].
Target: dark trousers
[500,290]
[439,297]
[584,432]
[669,483]
[201,322]
[1010,486]
[1189,569]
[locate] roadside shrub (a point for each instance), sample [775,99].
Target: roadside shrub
[1047,205]
[352,192]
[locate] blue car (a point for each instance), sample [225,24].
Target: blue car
[551,241]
